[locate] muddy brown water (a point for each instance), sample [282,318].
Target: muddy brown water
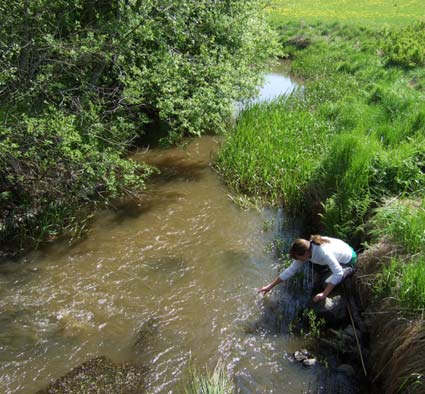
[166,282]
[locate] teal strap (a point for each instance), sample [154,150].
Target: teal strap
[353,257]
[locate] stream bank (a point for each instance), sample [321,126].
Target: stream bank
[396,336]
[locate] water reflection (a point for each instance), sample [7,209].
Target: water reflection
[275,85]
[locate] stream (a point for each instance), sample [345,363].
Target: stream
[165,282]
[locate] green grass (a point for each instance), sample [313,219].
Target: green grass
[365,12]
[251,162]
[403,223]
[351,138]
[404,282]
[215,382]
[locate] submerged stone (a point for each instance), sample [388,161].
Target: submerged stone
[346,369]
[101,376]
[301,355]
[310,362]
[332,309]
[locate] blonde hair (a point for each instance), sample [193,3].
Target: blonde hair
[318,239]
[300,246]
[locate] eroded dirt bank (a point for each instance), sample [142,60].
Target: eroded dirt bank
[396,337]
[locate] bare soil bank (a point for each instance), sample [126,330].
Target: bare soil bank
[396,357]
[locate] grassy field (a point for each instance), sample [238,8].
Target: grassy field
[367,12]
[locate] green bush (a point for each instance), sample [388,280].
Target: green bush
[405,47]
[49,171]
[179,61]
[80,80]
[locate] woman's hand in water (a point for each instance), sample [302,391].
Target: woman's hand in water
[270,286]
[264,290]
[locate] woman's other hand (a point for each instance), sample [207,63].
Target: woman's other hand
[319,297]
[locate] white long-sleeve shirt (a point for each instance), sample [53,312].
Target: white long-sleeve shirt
[332,254]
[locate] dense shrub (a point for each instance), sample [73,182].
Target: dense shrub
[405,47]
[49,172]
[79,81]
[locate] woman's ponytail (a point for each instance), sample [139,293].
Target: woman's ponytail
[318,239]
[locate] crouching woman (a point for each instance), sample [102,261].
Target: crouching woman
[335,253]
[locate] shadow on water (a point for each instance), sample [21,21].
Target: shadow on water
[131,209]
[172,171]
[146,335]
[17,332]
[171,268]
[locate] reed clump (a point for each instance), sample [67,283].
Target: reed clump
[370,263]
[396,360]
[208,382]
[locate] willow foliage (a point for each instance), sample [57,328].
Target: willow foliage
[80,79]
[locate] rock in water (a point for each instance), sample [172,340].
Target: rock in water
[301,355]
[100,376]
[333,309]
[310,362]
